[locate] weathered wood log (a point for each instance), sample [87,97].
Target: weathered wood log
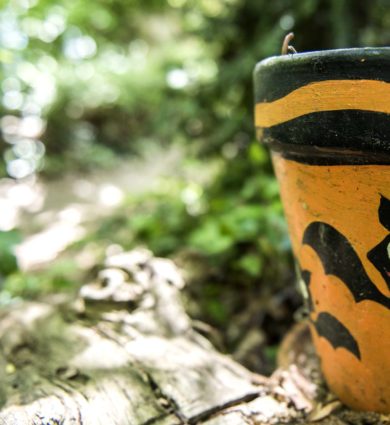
[125,352]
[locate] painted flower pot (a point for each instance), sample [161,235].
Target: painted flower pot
[326,118]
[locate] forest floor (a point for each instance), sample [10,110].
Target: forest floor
[52,214]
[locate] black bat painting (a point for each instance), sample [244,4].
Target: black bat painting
[336,333]
[380,255]
[340,259]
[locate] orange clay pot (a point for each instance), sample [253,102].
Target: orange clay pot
[326,117]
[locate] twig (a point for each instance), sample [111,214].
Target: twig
[286,48]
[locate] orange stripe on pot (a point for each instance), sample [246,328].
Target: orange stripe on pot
[330,95]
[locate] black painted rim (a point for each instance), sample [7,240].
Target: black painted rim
[306,63]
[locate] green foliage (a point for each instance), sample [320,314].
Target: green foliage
[115,73]
[8,263]
[234,228]
[106,79]
[59,276]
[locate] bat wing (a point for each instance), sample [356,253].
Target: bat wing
[384,212]
[336,333]
[379,257]
[339,258]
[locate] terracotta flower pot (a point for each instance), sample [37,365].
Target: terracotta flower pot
[326,117]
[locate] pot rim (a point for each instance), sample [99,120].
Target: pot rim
[344,53]
[326,106]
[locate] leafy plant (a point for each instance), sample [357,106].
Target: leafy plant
[8,263]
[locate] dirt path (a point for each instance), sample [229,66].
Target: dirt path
[53,214]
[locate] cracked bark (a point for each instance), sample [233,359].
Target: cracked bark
[125,352]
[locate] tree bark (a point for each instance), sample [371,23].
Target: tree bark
[125,352]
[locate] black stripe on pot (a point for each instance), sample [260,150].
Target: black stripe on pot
[276,77]
[330,328]
[330,157]
[332,137]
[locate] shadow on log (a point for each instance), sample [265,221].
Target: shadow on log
[125,352]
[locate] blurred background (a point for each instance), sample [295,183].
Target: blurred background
[129,123]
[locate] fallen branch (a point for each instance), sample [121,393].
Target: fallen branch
[125,352]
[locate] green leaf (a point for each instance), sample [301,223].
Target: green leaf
[210,239]
[252,264]
[257,153]
[8,240]
[243,222]
[217,310]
